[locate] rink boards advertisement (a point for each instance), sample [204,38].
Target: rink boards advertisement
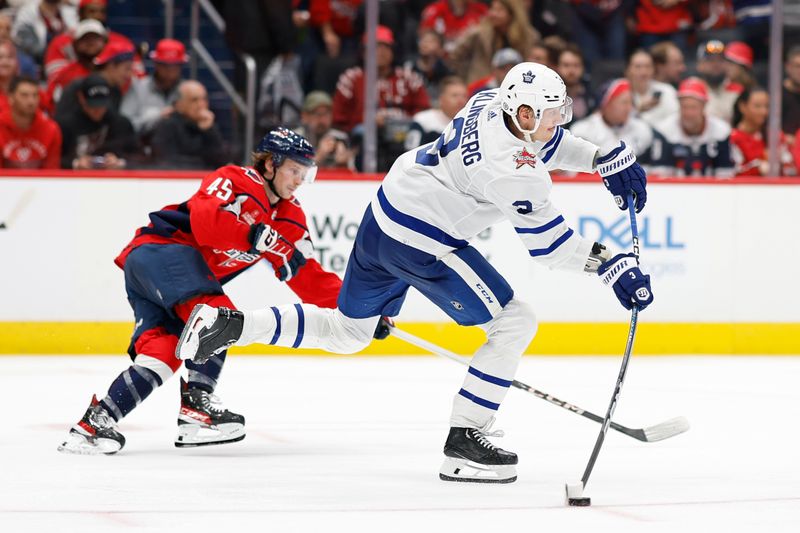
[722,256]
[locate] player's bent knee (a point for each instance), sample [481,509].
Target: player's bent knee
[349,335]
[514,327]
[155,350]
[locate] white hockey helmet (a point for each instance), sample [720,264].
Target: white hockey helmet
[539,88]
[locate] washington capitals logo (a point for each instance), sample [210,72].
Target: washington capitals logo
[523,158]
[527,77]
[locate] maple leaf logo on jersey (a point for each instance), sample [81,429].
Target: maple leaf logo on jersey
[527,77]
[524,157]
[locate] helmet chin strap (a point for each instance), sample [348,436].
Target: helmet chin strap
[526,133]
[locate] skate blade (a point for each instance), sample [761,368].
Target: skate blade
[465,471]
[193,435]
[78,444]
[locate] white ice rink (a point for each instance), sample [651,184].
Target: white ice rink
[350,444]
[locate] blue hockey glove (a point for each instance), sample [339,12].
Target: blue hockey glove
[384,328]
[264,239]
[628,282]
[622,174]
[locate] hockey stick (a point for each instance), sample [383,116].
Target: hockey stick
[661,431]
[574,492]
[21,204]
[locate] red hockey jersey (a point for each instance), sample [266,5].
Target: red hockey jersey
[216,221]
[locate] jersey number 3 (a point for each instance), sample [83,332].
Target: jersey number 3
[429,154]
[222,188]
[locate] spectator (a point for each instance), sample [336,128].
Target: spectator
[653,101]
[739,64]
[668,62]
[27,66]
[451,18]
[189,138]
[539,53]
[748,138]
[429,62]
[570,68]
[37,22]
[613,120]
[332,146]
[94,135]
[722,92]
[29,139]
[88,40]
[664,20]
[598,27]
[692,143]
[8,70]
[502,61]
[60,52]
[332,46]
[151,98]
[115,65]
[505,26]
[401,92]
[429,124]
[752,24]
[791,92]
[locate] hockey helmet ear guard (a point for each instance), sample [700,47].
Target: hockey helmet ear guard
[539,88]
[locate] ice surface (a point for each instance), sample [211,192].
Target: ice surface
[354,444]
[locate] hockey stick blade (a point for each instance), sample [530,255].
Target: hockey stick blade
[21,204]
[661,431]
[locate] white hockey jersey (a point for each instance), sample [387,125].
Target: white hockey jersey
[437,197]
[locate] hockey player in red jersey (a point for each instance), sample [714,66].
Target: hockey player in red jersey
[238,216]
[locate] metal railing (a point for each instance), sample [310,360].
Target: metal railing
[246,106]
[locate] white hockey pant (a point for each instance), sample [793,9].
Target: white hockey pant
[494,365]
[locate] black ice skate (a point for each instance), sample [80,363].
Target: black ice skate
[208,331]
[471,457]
[202,421]
[95,434]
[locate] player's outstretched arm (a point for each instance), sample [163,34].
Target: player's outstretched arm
[622,175]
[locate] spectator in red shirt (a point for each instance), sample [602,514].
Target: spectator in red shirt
[28,138]
[664,20]
[335,20]
[450,18]
[88,40]
[60,52]
[748,138]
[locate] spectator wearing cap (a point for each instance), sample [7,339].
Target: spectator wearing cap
[115,65]
[668,62]
[94,134]
[401,92]
[664,20]
[653,100]
[429,61]
[739,64]
[60,51]
[88,40]
[316,120]
[39,21]
[451,18]
[598,27]
[570,68]
[151,98]
[189,138]
[27,66]
[28,138]
[722,92]
[505,25]
[613,120]
[429,124]
[502,61]
[790,116]
[748,138]
[691,142]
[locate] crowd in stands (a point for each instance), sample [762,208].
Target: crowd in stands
[681,81]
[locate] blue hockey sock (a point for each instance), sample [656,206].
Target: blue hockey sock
[205,376]
[129,390]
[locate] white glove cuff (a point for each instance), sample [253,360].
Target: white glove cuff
[623,160]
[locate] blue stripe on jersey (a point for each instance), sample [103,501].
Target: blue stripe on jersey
[301,325]
[541,229]
[277,325]
[556,243]
[480,401]
[552,145]
[418,225]
[487,377]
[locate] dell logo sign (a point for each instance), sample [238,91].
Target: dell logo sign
[652,233]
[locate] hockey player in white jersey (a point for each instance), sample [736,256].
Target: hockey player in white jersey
[491,162]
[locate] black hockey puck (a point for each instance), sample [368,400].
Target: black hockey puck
[579,502]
